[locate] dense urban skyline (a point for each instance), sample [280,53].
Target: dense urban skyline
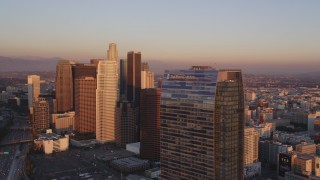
[275,36]
[87,122]
[160,90]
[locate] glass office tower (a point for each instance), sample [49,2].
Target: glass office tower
[202,124]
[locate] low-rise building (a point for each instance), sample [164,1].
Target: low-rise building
[133,147]
[306,148]
[64,122]
[265,130]
[252,171]
[305,167]
[50,142]
[130,165]
[153,173]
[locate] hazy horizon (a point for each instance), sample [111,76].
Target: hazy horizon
[158,66]
[257,36]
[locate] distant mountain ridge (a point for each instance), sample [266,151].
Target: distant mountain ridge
[34,63]
[27,64]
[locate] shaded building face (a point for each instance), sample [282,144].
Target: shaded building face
[40,113]
[81,71]
[123,79]
[64,86]
[150,124]
[85,105]
[84,70]
[134,77]
[201,134]
[125,124]
[134,84]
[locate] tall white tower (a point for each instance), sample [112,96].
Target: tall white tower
[106,94]
[33,89]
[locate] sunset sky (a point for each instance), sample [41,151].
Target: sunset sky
[267,34]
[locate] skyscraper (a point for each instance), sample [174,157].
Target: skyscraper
[202,124]
[123,79]
[125,123]
[147,77]
[40,115]
[85,105]
[134,77]
[127,110]
[84,88]
[106,96]
[134,84]
[84,70]
[33,89]
[150,124]
[64,86]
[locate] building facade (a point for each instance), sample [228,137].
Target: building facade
[64,122]
[202,124]
[85,105]
[123,75]
[306,148]
[125,123]
[251,142]
[150,124]
[81,71]
[64,86]
[33,89]
[40,115]
[134,77]
[285,163]
[107,96]
[147,77]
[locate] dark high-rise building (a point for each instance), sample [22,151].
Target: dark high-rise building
[202,124]
[85,105]
[125,123]
[130,85]
[263,151]
[81,71]
[84,70]
[150,124]
[134,77]
[64,86]
[40,115]
[123,79]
